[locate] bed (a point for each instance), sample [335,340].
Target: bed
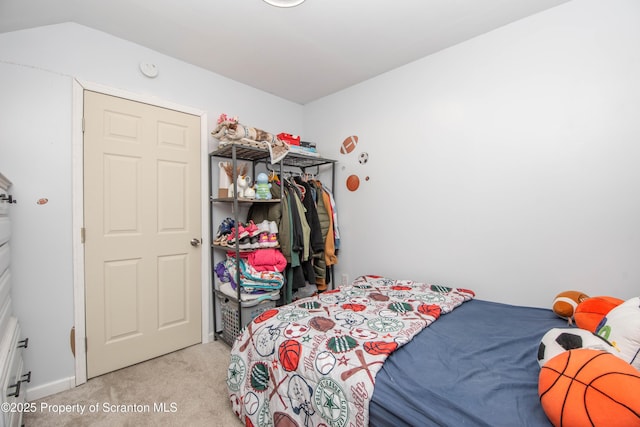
[386,352]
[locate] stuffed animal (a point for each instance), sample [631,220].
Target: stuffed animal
[263,187]
[605,364]
[621,327]
[590,312]
[565,303]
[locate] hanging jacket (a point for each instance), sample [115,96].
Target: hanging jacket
[336,229]
[329,243]
[320,265]
[315,239]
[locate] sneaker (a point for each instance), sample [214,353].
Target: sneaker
[244,243]
[263,227]
[252,228]
[242,231]
[273,227]
[225,226]
[221,240]
[263,240]
[273,240]
[255,241]
[231,238]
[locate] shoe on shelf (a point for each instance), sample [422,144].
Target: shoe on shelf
[263,240]
[252,228]
[273,227]
[254,241]
[273,240]
[263,227]
[231,238]
[221,240]
[225,226]
[244,243]
[242,231]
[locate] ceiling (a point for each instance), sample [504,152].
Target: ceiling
[301,53]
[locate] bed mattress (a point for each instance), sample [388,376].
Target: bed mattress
[476,366]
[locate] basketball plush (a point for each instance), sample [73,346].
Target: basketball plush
[590,312]
[621,327]
[349,144]
[565,303]
[587,387]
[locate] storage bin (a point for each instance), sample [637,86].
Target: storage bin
[250,309]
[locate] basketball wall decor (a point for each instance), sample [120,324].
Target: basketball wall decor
[349,144]
[353,182]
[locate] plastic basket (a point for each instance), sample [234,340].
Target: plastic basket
[250,310]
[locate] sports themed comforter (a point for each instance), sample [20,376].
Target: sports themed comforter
[314,362]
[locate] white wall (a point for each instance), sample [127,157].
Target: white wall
[507,164]
[37,68]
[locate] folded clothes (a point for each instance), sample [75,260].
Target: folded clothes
[230,131]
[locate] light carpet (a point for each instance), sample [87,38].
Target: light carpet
[185,388]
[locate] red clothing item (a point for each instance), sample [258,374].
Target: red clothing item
[268,259]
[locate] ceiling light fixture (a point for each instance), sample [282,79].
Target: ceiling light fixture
[284,3]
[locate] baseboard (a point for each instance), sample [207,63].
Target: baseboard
[38,392]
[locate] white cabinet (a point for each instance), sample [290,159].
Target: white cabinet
[12,373]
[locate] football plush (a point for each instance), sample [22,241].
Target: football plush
[590,312]
[587,387]
[565,303]
[621,327]
[559,340]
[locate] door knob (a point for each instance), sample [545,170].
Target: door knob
[195,242]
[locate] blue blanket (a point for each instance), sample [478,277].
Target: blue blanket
[476,366]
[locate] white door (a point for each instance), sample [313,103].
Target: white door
[141,216]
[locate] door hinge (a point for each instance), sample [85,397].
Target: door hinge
[83,125]
[86,344]
[82,234]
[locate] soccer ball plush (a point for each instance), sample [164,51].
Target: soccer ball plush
[559,340]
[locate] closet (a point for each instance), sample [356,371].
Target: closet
[231,311]
[12,375]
